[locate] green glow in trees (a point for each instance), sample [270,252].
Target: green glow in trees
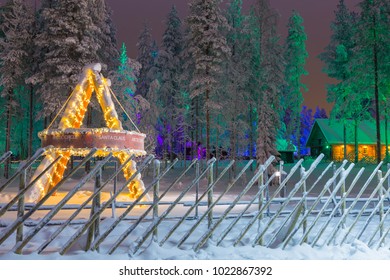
[337,56]
[295,57]
[370,61]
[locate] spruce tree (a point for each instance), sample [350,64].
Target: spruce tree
[104,34]
[236,81]
[269,84]
[370,59]
[207,45]
[295,57]
[145,58]
[16,26]
[337,56]
[170,67]
[124,81]
[66,43]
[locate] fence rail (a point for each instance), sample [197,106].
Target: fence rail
[321,207]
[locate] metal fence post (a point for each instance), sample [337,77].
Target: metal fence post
[113,204]
[156,190]
[304,190]
[388,178]
[197,173]
[210,180]
[94,229]
[342,194]
[335,181]
[283,192]
[260,184]
[22,186]
[381,201]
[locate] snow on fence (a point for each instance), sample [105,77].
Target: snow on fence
[321,208]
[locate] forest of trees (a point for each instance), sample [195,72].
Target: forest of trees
[221,82]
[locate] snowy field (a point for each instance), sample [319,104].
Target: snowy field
[353,250]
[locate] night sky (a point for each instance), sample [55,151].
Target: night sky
[129,16]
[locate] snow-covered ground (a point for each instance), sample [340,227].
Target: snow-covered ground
[353,249]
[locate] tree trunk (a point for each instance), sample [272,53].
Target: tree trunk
[207,125]
[8,135]
[386,139]
[356,142]
[377,119]
[31,122]
[251,145]
[345,140]
[196,126]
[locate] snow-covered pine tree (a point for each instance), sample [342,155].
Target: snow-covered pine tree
[207,45]
[254,74]
[104,34]
[145,58]
[337,55]
[271,78]
[170,96]
[16,26]
[295,57]
[149,113]
[124,86]
[235,97]
[190,117]
[66,44]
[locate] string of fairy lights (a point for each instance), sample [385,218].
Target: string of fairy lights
[70,125]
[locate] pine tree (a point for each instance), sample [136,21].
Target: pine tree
[145,58]
[124,82]
[207,45]
[270,80]
[320,113]
[337,56]
[370,59]
[16,24]
[236,80]
[104,34]
[170,65]
[295,57]
[66,44]
[307,120]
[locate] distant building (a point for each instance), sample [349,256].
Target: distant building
[327,137]
[285,150]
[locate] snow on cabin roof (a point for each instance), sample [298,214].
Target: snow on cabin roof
[283,146]
[333,132]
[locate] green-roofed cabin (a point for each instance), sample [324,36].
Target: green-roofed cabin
[327,137]
[285,150]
